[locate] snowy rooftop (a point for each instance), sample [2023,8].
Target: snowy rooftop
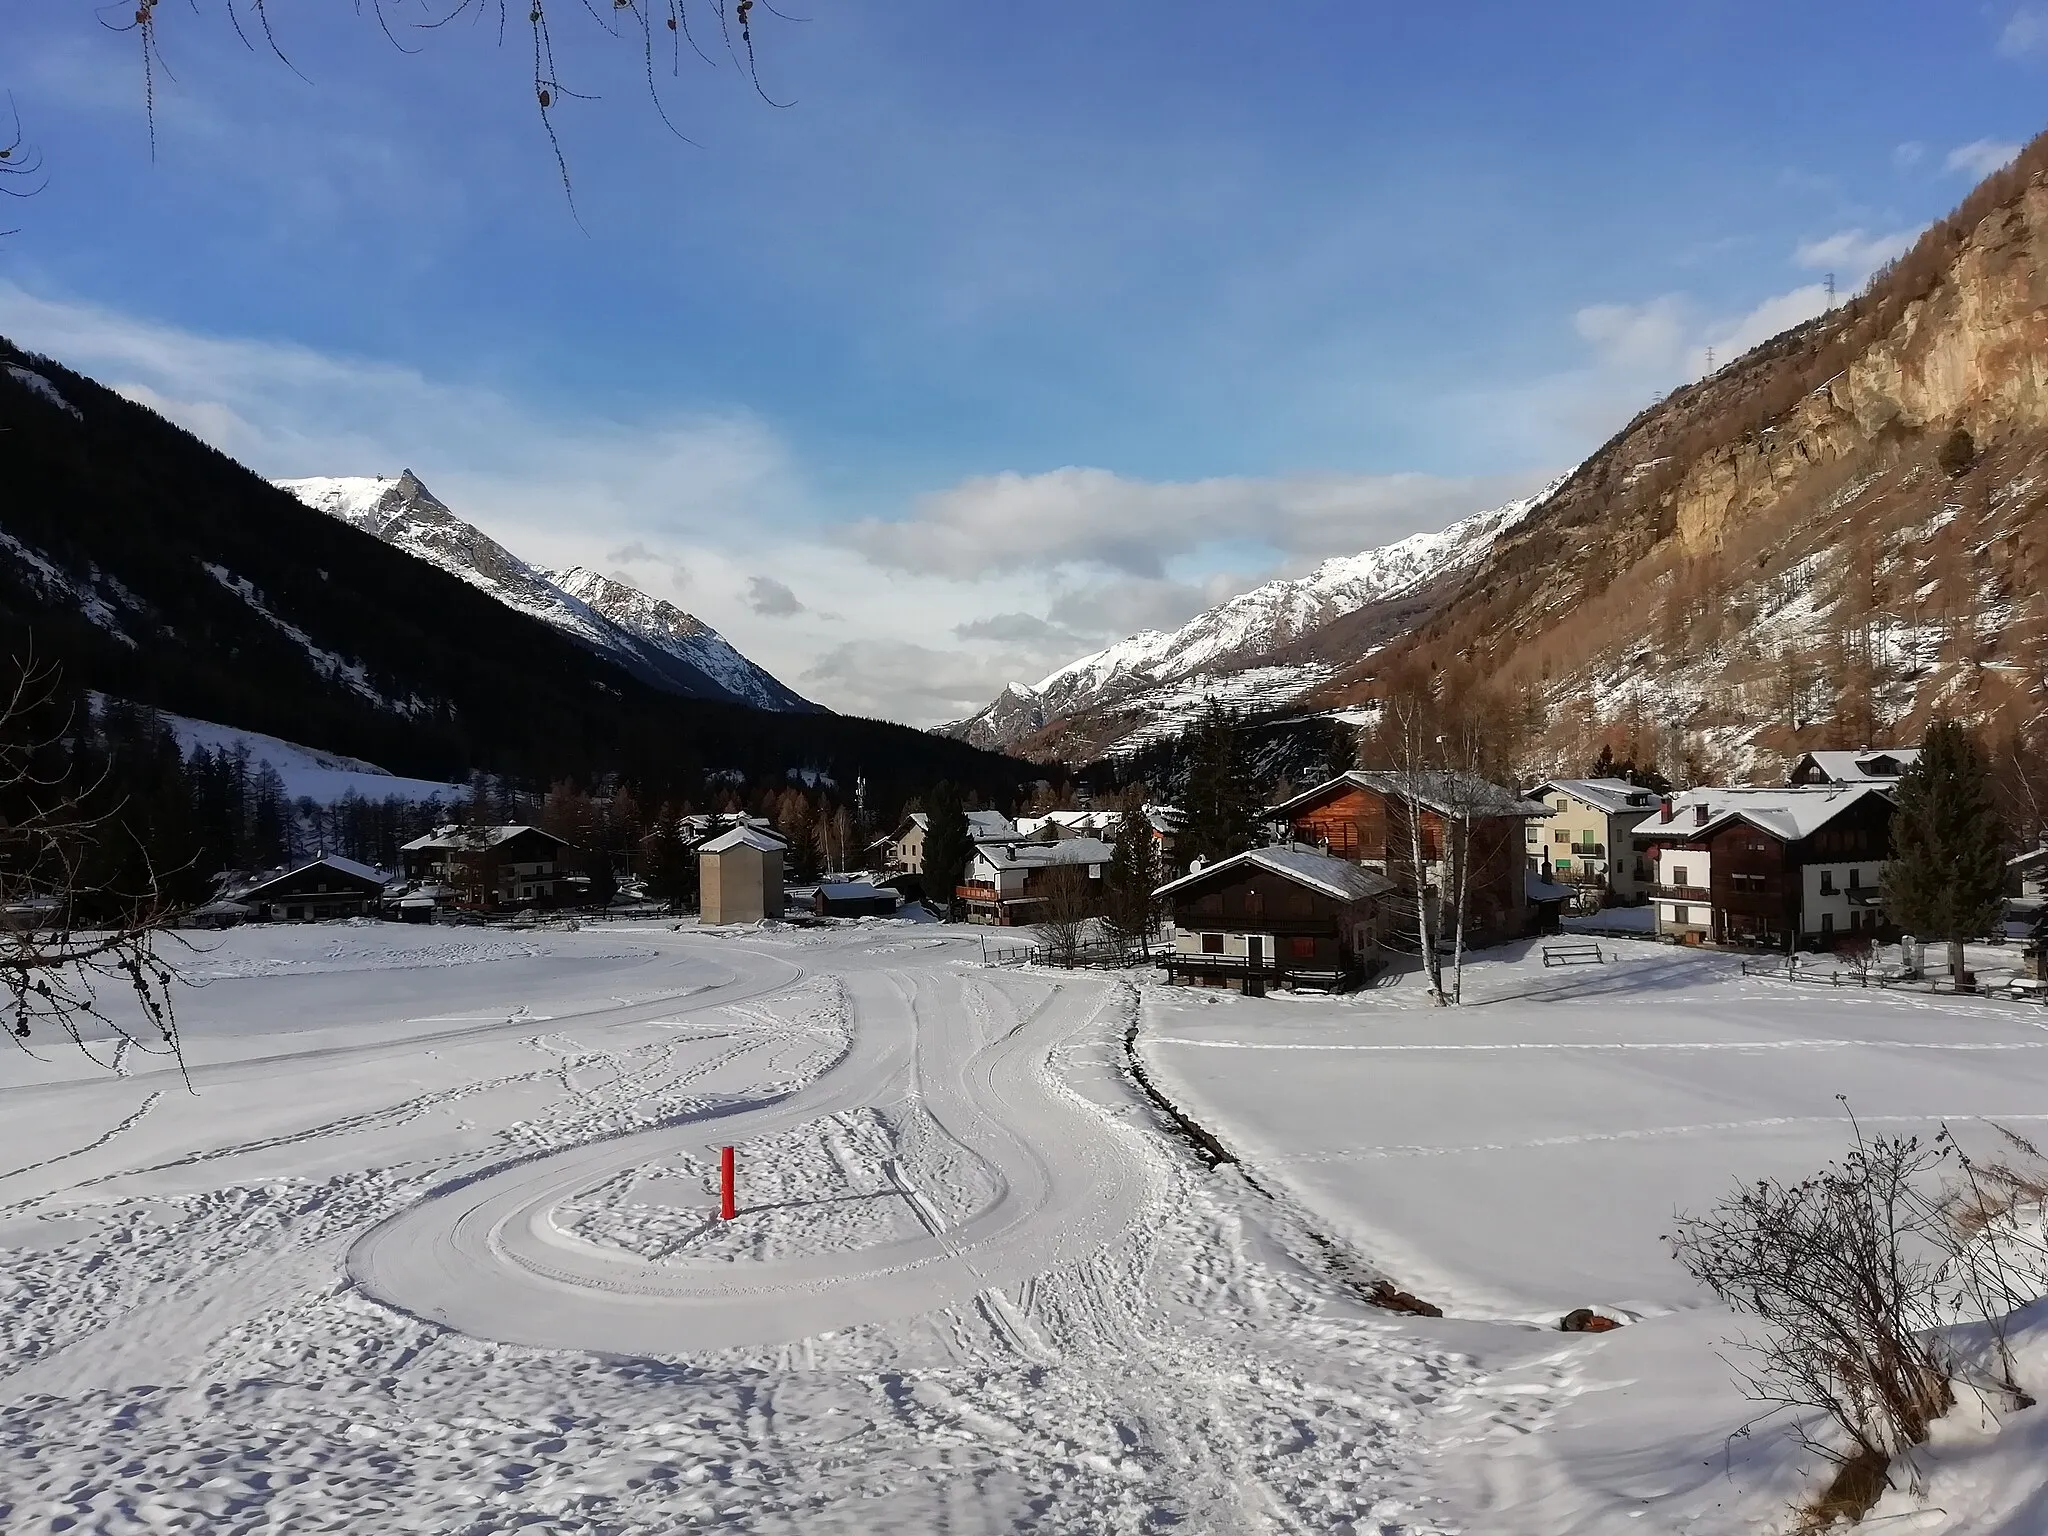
[455,835]
[1071,821]
[1304,866]
[1873,765]
[1610,795]
[331,861]
[1072,850]
[1441,789]
[853,890]
[745,837]
[1790,812]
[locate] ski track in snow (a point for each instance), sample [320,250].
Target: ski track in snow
[970,1288]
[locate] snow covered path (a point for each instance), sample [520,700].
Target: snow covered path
[429,1251]
[956,1058]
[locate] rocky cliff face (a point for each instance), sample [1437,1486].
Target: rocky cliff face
[1829,541]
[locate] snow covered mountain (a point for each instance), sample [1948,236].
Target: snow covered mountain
[1258,650]
[654,639]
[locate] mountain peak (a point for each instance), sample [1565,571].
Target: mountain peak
[1152,681]
[655,639]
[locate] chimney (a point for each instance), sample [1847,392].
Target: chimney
[1699,814]
[1664,809]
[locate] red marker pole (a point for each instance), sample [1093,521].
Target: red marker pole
[728,1207]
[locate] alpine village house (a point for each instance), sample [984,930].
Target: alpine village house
[1771,867]
[1280,916]
[1313,908]
[1589,839]
[1375,819]
[486,868]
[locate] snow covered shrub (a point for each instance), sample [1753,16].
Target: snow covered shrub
[1866,1275]
[1845,1268]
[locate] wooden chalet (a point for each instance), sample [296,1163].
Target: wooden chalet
[490,868]
[1371,818]
[326,887]
[1284,916]
[1772,868]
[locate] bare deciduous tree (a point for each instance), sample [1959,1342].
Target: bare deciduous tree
[659,29]
[65,943]
[1071,905]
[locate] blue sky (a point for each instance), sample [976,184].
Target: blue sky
[1081,315]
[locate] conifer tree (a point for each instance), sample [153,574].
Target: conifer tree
[948,845]
[1133,875]
[1947,877]
[671,863]
[1221,801]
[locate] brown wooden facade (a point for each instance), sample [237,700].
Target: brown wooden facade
[1249,928]
[1367,826]
[1760,892]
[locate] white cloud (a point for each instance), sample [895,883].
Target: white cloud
[901,679]
[1980,157]
[1851,253]
[1908,155]
[1631,336]
[2026,33]
[1076,516]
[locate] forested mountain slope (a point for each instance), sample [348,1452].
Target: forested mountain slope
[1829,541]
[156,569]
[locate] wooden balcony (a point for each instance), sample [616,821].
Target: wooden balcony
[1682,892]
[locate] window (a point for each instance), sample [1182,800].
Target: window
[1827,882]
[1678,875]
[1561,864]
[1212,943]
[1561,803]
[1681,915]
[1253,904]
[1301,949]
[1560,837]
[1535,836]
[1855,879]
[1827,922]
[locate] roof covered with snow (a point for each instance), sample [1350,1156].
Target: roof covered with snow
[1004,854]
[1613,796]
[1788,812]
[1446,790]
[331,861]
[1334,877]
[456,836]
[1871,765]
[745,837]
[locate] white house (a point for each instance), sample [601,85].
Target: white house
[1589,839]
[902,851]
[1006,881]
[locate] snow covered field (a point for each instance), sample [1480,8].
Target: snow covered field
[1523,1156]
[428,1245]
